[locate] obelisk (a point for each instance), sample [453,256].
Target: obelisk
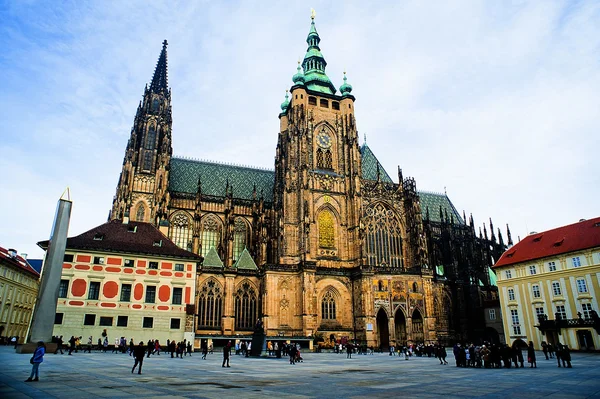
[42,324]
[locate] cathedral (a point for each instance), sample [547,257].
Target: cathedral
[327,246]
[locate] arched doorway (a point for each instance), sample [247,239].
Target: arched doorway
[491,335]
[417,327]
[383,330]
[400,324]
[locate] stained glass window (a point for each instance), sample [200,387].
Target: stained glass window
[148,160]
[240,234]
[141,213]
[383,236]
[180,231]
[211,233]
[151,138]
[326,229]
[210,305]
[245,307]
[328,306]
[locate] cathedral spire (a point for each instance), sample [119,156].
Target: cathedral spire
[159,80]
[314,63]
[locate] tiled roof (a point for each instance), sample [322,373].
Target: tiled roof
[570,238]
[214,176]
[212,259]
[245,261]
[132,238]
[369,166]
[433,201]
[17,261]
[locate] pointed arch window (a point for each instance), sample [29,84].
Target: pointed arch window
[140,214]
[328,306]
[151,138]
[240,237]
[148,160]
[326,229]
[246,309]
[180,231]
[324,159]
[211,233]
[210,305]
[383,237]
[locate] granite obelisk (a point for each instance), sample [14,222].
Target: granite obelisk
[42,324]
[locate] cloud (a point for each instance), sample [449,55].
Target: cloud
[497,102]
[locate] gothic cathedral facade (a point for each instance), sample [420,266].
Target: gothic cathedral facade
[327,244]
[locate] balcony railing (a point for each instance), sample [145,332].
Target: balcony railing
[559,323]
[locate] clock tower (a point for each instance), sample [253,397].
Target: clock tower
[317,196]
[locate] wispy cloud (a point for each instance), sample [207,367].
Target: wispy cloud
[495,101]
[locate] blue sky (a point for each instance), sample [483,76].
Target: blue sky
[495,101]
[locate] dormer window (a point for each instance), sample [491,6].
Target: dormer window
[98,237]
[158,243]
[132,229]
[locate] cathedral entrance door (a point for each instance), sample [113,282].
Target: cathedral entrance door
[383,330]
[400,323]
[417,327]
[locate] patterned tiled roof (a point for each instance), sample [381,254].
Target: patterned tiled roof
[369,166]
[214,177]
[212,259]
[132,238]
[245,261]
[17,261]
[434,201]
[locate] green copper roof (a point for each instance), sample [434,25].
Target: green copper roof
[314,65]
[245,261]
[369,166]
[434,201]
[212,259]
[493,278]
[214,178]
[345,88]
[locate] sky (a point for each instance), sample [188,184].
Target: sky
[495,103]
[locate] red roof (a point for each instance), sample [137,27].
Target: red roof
[570,238]
[17,261]
[132,238]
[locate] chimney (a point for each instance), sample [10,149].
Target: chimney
[24,256]
[126,217]
[12,252]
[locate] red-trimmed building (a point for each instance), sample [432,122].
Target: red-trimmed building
[19,283]
[127,278]
[549,286]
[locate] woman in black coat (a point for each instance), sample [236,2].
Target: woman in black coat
[531,355]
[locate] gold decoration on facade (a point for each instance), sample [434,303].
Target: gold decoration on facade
[326,229]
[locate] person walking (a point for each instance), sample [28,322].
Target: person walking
[292,353]
[189,349]
[138,354]
[36,360]
[59,345]
[204,351]
[545,349]
[131,347]
[566,356]
[71,344]
[226,353]
[558,353]
[89,345]
[349,351]
[531,355]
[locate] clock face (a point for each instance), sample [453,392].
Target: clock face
[323,140]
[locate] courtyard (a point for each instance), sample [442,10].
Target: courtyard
[322,375]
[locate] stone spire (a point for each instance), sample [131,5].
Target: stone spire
[159,80]
[314,64]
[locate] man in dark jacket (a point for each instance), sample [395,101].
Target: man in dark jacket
[138,353]
[226,352]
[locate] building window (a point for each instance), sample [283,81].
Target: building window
[94,291]
[122,321]
[539,312]
[581,286]
[151,138]
[211,233]
[560,312]
[210,305]
[68,258]
[58,318]
[312,100]
[335,105]
[89,319]
[178,267]
[326,222]
[587,310]
[153,265]
[98,260]
[180,231]
[150,294]
[147,160]
[177,294]
[551,266]
[511,294]
[129,263]
[492,314]
[240,236]
[246,310]
[508,274]
[148,322]
[328,311]
[175,324]
[140,213]
[532,270]
[556,288]
[383,237]
[324,103]
[63,288]
[576,261]
[514,314]
[106,321]
[536,291]
[125,292]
